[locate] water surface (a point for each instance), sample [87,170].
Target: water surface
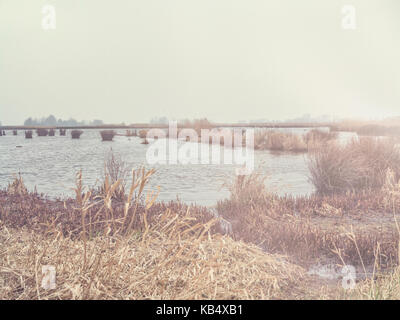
[50,165]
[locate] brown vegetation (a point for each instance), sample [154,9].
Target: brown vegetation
[76,134]
[42,132]
[175,258]
[28,134]
[136,250]
[143,134]
[387,127]
[360,164]
[347,227]
[287,141]
[197,125]
[107,135]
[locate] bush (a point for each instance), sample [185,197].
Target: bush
[76,134]
[361,164]
[279,141]
[107,135]
[42,132]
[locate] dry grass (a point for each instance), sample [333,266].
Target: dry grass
[76,134]
[107,135]
[142,134]
[345,227]
[28,134]
[387,127]
[170,260]
[384,286]
[42,132]
[17,187]
[197,125]
[316,136]
[278,141]
[360,164]
[173,256]
[284,141]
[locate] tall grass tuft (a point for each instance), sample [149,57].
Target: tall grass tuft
[142,134]
[76,134]
[279,141]
[107,135]
[28,134]
[359,165]
[42,132]
[17,187]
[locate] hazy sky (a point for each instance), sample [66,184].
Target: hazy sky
[228,60]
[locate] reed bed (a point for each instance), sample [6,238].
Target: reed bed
[131,133]
[287,141]
[142,134]
[127,211]
[169,260]
[388,127]
[172,256]
[197,125]
[360,164]
[346,227]
[28,134]
[42,132]
[52,133]
[107,135]
[63,132]
[76,134]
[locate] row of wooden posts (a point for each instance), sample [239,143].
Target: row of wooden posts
[106,135]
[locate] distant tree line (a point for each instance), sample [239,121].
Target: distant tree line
[53,121]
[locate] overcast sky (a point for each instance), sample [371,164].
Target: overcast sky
[228,60]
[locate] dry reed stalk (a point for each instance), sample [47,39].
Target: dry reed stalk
[172,260]
[17,187]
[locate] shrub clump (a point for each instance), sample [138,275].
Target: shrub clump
[76,134]
[359,165]
[107,135]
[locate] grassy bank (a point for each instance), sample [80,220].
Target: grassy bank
[104,248]
[118,241]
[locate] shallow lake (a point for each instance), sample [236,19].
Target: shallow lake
[50,165]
